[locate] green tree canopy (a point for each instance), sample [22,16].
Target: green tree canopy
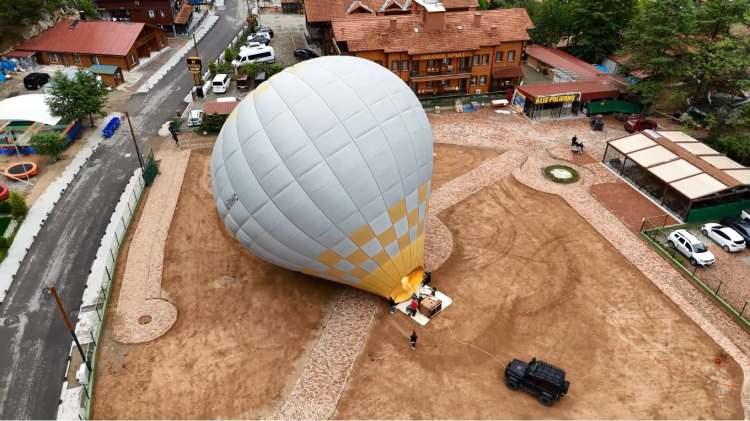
[51,144]
[88,7]
[553,21]
[598,27]
[18,207]
[78,97]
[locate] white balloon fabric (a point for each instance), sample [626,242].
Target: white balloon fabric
[325,169]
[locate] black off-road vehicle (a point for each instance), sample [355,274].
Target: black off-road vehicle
[544,380]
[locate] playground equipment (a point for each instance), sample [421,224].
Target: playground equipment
[325,169]
[21,171]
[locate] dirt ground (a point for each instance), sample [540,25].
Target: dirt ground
[525,286]
[242,332]
[451,161]
[629,205]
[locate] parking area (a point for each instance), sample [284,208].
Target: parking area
[728,276]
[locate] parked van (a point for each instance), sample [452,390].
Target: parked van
[258,54]
[220,83]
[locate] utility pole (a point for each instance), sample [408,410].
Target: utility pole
[135,143]
[71,329]
[195,45]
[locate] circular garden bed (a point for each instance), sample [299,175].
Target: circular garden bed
[561,174]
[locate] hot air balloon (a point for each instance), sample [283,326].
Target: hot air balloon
[325,169]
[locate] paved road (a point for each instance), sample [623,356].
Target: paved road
[33,341]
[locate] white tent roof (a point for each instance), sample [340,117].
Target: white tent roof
[632,143]
[652,156]
[722,162]
[698,186]
[28,108]
[698,148]
[675,170]
[677,137]
[743,175]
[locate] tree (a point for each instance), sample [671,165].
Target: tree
[212,123]
[552,21]
[88,8]
[78,97]
[598,27]
[18,208]
[658,41]
[51,144]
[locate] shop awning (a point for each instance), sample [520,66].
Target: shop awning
[507,72]
[722,162]
[675,170]
[677,137]
[27,108]
[698,186]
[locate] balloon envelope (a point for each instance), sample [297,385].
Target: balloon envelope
[325,169]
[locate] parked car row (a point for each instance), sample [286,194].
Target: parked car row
[732,235]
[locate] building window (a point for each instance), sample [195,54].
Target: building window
[394,66]
[498,57]
[485,59]
[482,80]
[473,79]
[95,59]
[405,65]
[151,14]
[511,56]
[53,58]
[132,58]
[475,60]
[430,64]
[428,84]
[76,58]
[161,13]
[414,66]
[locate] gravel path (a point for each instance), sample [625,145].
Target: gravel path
[144,312]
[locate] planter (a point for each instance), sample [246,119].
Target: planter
[561,174]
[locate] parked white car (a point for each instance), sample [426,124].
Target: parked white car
[729,239]
[745,215]
[220,84]
[196,118]
[691,247]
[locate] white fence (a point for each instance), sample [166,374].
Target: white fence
[76,393]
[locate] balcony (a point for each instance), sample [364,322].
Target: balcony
[438,91]
[441,73]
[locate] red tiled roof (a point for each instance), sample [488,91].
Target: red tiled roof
[374,33]
[561,60]
[183,15]
[221,108]
[328,10]
[590,90]
[86,37]
[17,54]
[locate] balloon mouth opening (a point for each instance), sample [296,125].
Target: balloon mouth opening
[408,286]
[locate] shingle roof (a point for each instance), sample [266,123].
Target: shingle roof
[183,15]
[374,33]
[561,60]
[328,10]
[86,37]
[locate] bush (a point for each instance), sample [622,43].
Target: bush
[212,123]
[18,208]
[225,67]
[4,207]
[51,144]
[230,54]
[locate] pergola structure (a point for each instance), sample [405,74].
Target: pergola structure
[692,180]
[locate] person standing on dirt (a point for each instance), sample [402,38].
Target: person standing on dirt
[574,142]
[391,305]
[413,340]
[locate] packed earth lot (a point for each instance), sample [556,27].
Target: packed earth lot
[532,274]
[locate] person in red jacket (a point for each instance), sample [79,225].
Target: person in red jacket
[413,307]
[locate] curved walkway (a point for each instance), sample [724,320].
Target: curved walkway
[144,312]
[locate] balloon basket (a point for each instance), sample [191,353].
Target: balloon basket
[421,318]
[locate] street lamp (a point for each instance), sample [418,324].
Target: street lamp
[135,143]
